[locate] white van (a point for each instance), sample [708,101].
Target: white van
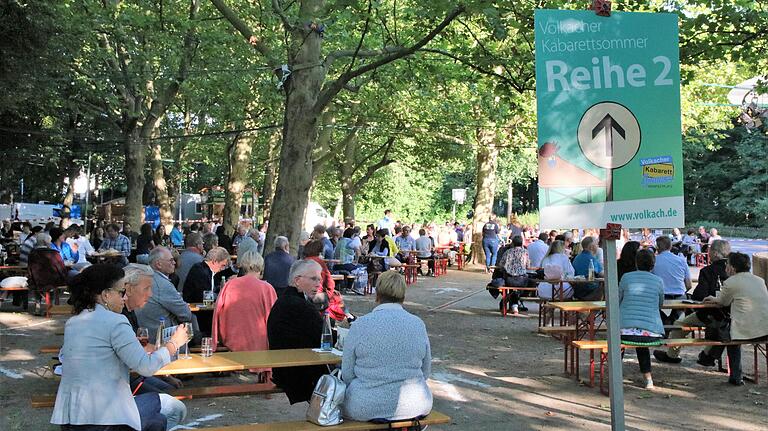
[315,215]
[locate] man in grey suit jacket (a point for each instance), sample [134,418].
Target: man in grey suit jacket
[190,256]
[165,302]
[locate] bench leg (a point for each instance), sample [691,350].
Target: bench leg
[603,359]
[48,304]
[575,364]
[541,306]
[765,353]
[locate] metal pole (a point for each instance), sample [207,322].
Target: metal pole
[615,375]
[87,194]
[180,183]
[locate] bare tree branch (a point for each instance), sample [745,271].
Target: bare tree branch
[519,87]
[160,105]
[331,89]
[277,7]
[362,53]
[383,162]
[362,36]
[241,27]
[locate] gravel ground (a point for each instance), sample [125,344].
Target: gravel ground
[488,373]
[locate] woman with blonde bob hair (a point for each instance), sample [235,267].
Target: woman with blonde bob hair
[242,309]
[384,383]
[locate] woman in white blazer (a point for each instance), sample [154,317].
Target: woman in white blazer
[99,349]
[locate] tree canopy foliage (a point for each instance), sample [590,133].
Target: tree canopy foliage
[364,105]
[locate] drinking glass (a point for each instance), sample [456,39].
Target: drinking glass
[207,347]
[143,335]
[190,334]
[208,298]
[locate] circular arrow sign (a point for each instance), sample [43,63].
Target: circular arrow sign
[609,135]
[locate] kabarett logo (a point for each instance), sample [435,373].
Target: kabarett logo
[657,171]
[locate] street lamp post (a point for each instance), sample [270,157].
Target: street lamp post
[87,194]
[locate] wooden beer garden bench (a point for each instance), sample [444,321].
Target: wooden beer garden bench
[602,346]
[434,418]
[43,401]
[505,289]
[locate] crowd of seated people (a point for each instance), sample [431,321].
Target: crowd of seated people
[286,297]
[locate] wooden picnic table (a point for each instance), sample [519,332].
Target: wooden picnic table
[585,327]
[559,291]
[591,306]
[195,307]
[64,309]
[239,361]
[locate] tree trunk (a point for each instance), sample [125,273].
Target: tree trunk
[487,158]
[270,176]
[299,132]
[295,180]
[239,163]
[346,171]
[348,204]
[69,196]
[161,186]
[134,149]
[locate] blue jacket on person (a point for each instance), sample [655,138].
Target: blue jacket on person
[327,249]
[177,238]
[277,266]
[581,267]
[641,295]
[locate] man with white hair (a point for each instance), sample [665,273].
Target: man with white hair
[239,235]
[277,265]
[138,289]
[294,323]
[166,301]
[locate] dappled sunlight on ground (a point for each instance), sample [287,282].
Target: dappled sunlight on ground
[16,355]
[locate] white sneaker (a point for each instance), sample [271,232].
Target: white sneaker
[515,310]
[649,384]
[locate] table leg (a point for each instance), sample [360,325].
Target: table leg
[591,331]
[503,302]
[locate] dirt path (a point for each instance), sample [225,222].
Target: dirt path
[488,373]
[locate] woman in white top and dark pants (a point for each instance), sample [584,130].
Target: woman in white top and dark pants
[556,264]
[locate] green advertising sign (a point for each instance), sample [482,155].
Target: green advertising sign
[609,142]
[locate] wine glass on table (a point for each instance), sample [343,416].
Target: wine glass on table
[190,334]
[143,335]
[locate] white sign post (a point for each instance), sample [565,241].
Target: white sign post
[457,195]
